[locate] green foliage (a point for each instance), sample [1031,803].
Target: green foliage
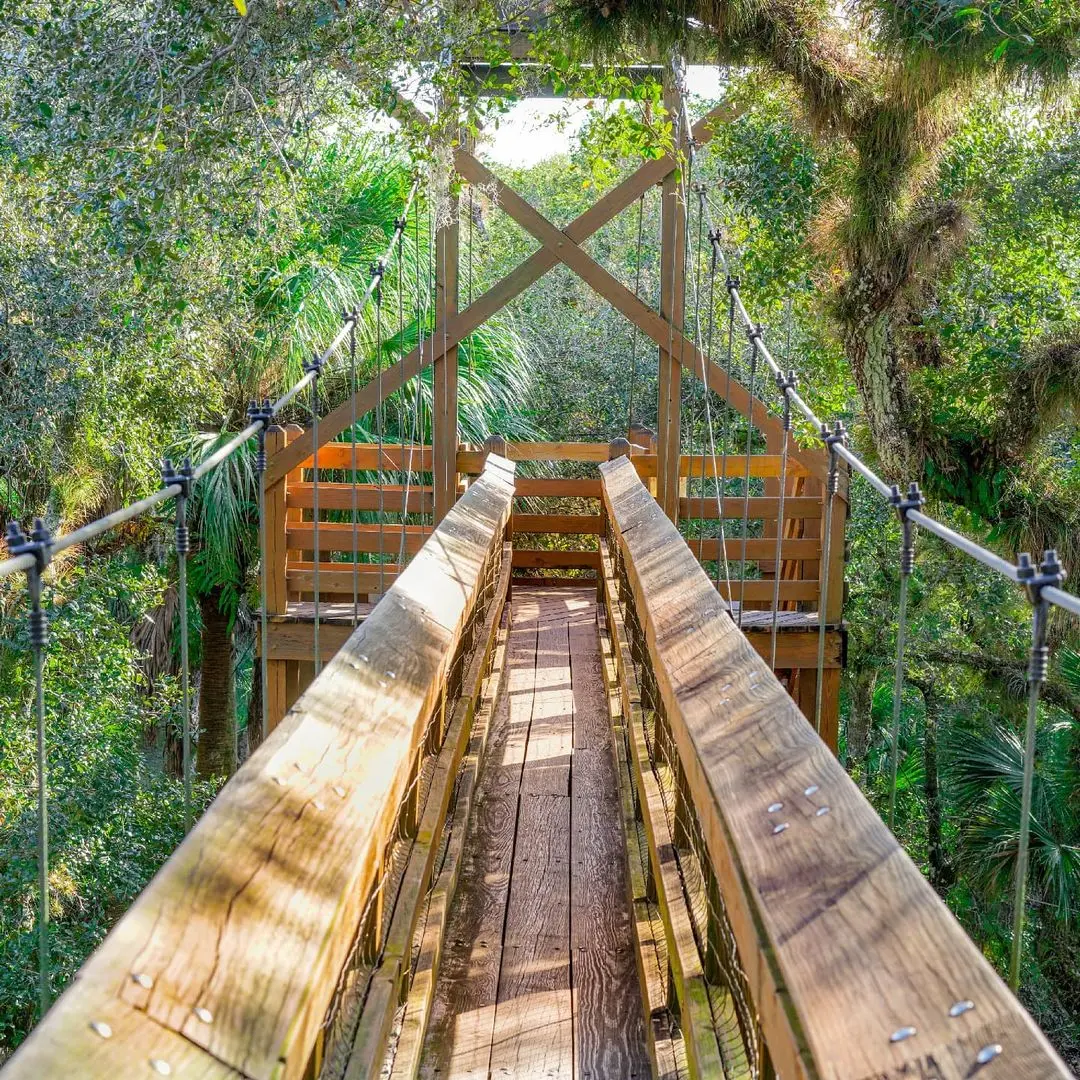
[114,815]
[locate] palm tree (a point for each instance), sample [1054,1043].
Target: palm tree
[355,193]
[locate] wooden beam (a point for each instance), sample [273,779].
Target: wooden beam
[672,309]
[563,524]
[554,487]
[444,380]
[842,940]
[498,296]
[651,323]
[550,560]
[238,941]
[392,499]
[795,507]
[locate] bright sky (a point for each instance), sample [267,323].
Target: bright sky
[525,135]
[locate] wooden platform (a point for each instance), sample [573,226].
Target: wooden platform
[538,976]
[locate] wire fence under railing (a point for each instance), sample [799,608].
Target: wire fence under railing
[30,554]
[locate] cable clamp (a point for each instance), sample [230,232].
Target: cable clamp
[401,224]
[732,283]
[182,477]
[755,333]
[903,505]
[315,364]
[832,439]
[785,385]
[348,316]
[38,543]
[1049,573]
[261,415]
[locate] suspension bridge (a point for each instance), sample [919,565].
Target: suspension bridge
[531,809]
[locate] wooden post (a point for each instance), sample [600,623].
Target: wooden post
[276,599]
[640,435]
[833,611]
[672,294]
[445,371]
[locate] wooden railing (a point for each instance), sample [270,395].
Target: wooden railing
[277,920]
[800,936]
[407,500]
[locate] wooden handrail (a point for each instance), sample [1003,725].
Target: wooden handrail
[843,942]
[227,962]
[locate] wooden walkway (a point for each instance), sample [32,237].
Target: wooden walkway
[538,978]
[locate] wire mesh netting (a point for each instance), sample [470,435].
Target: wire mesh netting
[733,1013]
[346,1010]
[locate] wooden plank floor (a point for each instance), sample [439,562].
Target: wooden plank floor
[538,976]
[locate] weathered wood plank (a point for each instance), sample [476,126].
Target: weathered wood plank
[533,1034]
[393,457]
[392,500]
[338,536]
[335,580]
[583,524]
[842,939]
[551,733]
[699,466]
[407,1053]
[795,507]
[550,560]
[458,1042]
[371,1036]
[253,915]
[557,487]
[757,548]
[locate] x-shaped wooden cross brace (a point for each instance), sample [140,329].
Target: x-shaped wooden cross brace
[559,245]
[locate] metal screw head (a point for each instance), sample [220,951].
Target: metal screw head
[813,789]
[821,811]
[780,828]
[279,780]
[339,791]
[773,807]
[99,1027]
[961,1007]
[988,1053]
[161,1067]
[142,980]
[204,1014]
[901,1034]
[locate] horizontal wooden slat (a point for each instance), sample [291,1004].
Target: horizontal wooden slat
[549,560]
[472,461]
[557,487]
[842,940]
[296,640]
[757,548]
[757,590]
[254,915]
[761,465]
[337,536]
[557,523]
[300,578]
[393,457]
[418,500]
[767,507]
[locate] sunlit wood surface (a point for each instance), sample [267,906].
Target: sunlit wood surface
[538,977]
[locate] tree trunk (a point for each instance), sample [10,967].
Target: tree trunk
[869,338]
[217,691]
[861,686]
